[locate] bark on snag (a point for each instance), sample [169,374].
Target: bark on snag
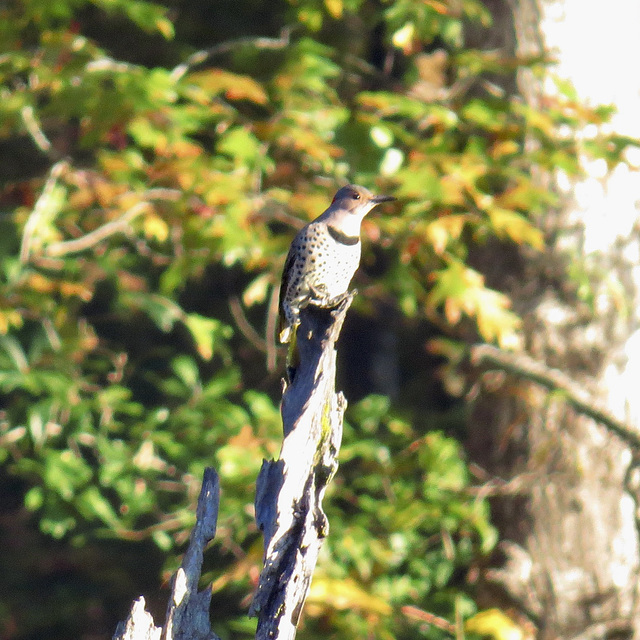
[288,501]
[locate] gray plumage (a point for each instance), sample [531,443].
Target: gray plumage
[324,256]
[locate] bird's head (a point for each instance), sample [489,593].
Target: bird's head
[357,200]
[349,206]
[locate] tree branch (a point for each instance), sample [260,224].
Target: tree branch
[200,57]
[35,130]
[524,366]
[244,325]
[121,224]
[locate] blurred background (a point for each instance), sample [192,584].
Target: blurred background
[157,160]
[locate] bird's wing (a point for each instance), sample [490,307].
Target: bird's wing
[284,285]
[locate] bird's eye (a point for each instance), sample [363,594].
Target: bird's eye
[356,196]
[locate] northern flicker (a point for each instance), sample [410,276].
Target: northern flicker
[324,255]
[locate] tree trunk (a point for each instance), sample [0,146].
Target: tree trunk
[571,556]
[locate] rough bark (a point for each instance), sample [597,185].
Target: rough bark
[290,490]
[288,501]
[570,556]
[188,609]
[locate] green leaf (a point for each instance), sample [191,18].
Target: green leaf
[241,145]
[92,504]
[207,333]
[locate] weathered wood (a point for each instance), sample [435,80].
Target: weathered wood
[188,609]
[139,625]
[290,490]
[288,501]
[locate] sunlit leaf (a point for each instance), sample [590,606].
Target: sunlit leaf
[346,594]
[206,332]
[257,290]
[155,227]
[509,224]
[232,85]
[495,624]
[335,8]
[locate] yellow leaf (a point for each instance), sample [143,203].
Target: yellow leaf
[146,458]
[440,7]
[495,321]
[41,284]
[403,37]
[440,231]
[257,290]
[452,311]
[335,8]
[496,624]
[461,290]
[9,318]
[202,331]
[233,85]
[155,227]
[509,224]
[165,27]
[504,148]
[71,289]
[346,594]
[453,190]
[207,333]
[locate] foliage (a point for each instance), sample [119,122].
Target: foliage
[145,211]
[403,523]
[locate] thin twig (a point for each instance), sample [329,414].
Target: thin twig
[200,57]
[97,235]
[270,331]
[523,365]
[171,524]
[517,486]
[34,129]
[413,613]
[109,64]
[244,325]
[121,224]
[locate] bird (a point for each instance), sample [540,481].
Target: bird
[324,256]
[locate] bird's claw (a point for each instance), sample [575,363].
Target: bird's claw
[320,298]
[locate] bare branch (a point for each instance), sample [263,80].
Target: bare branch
[188,609]
[121,224]
[200,57]
[139,625]
[414,613]
[35,130]
[556,381]
[244,325]
[97,235]
[109,64]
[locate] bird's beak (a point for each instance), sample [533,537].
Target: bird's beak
[379,199]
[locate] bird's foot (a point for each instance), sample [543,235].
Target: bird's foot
[320,298]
